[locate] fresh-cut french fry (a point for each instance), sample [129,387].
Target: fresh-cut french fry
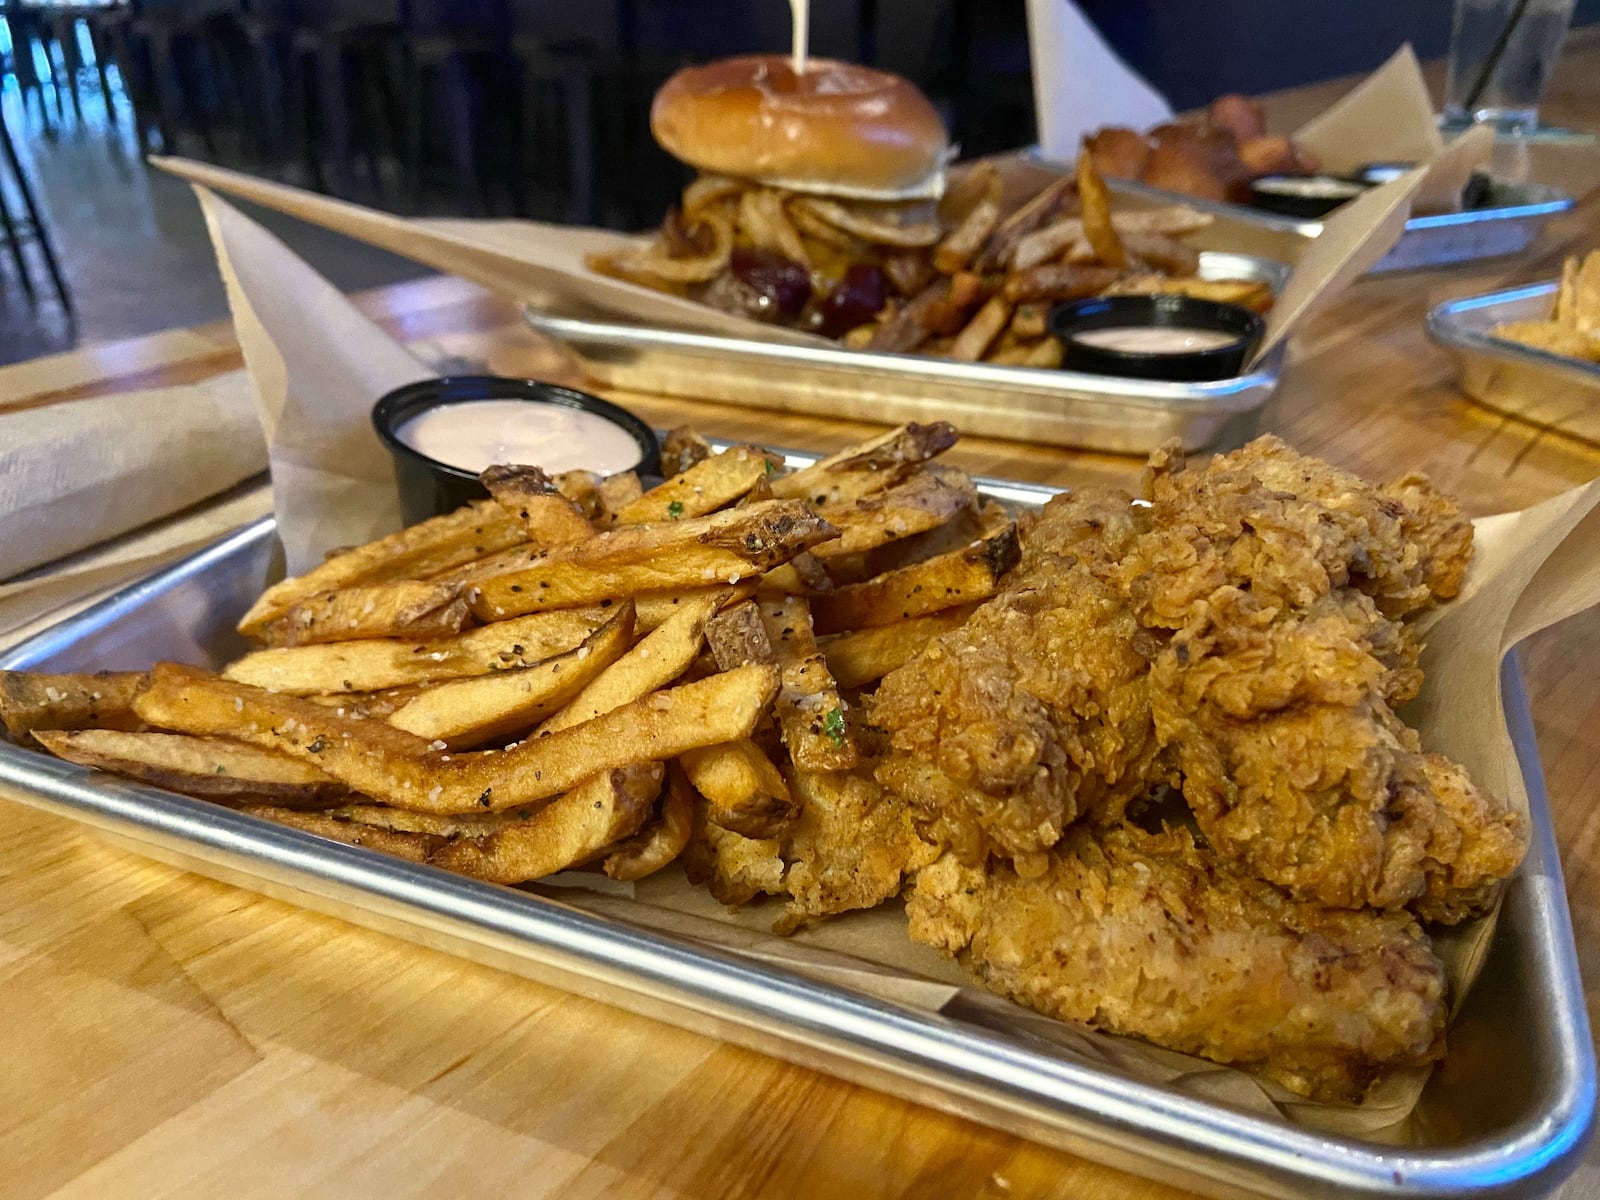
[196,766]
[483,708]
[571,829]
[745,793]
[413,847]
[727,546]
[974,340]
[963,242]
[417,552]
[681,449]
[711,484]
[1097,223]
[404,820]
[862,656]
[663,839]
[32,700]
[800,576]
[1032,215]
[810,711]
[960,577]
[401,769]
[533,499]
[370,666]
[1058,281]
[401,608]
[655,609]
[660,658]
[737,635]
[615,493]
[928,499]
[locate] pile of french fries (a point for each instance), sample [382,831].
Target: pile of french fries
[974,282]
[578,671]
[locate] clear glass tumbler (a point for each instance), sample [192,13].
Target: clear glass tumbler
[1501,56]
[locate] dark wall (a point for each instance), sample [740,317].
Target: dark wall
[1194,50]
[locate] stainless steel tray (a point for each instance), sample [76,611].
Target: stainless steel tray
[1548,390]
[1508,1116]
[1515,215]
[1058,408]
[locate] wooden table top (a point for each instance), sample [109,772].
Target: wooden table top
[166,1034]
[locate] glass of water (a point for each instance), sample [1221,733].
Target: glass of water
[1501,56]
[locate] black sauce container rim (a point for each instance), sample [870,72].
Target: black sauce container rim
[429,487]
[1302,206]
[1166,309]
[395,408]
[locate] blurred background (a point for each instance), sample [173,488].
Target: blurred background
[514,108]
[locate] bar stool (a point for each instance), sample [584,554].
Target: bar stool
[16,231]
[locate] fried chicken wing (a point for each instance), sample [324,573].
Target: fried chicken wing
[1035,713]
[1149,936]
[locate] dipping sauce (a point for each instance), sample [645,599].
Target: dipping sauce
[476,434]
[1310,187]
[1155,339]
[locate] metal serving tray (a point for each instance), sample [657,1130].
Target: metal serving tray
[1549,390]
[1508,224]
[1058,408]
[1509,1114]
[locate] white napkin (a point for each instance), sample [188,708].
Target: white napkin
[76,473]
[318,366]
[1079,83]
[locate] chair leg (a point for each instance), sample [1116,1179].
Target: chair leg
[40,233]
[97,46]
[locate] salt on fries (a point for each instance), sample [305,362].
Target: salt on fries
[578,671]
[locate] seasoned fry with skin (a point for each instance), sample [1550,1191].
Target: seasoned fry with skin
[31,700]
[215,768]
[737,635]
[661,657]
[726,546]
[864,655]
[378,663]
[613,494]
[708,485]
[907,327]
[744,791]
[811,713]
[1058,281]
[867,467]
[402,769]
[413,847]
[484,708]
[534,499]
[402,608]
[963,242]
[943,582]
[1097,222]
[417,552]
[660,842]
[655,609]
[681,449]
[569,830]
[928,499]
[1030,216]
[973,341]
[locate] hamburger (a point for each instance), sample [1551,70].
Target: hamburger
[817,194]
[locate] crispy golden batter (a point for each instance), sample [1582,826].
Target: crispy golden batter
[1283,582]
[1035,713]
[1149,936]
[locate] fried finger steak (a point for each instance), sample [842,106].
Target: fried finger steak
[1147,934]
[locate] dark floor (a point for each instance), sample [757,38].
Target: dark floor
[132,243]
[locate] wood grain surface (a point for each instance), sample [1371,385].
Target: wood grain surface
[163,1034]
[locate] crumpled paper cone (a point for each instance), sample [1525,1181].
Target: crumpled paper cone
[1079,83]
[317,366]
[76,473]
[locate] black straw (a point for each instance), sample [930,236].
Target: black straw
[1496,53]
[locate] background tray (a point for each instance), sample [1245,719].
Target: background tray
[1509,1116]
[1058,408]
[1544,389]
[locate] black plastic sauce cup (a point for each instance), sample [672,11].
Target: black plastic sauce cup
[429,487]
[1164,311]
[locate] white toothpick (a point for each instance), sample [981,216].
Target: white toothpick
[801,33]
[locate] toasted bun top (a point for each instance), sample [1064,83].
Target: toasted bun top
[838,128]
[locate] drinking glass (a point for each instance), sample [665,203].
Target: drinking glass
[1501,56]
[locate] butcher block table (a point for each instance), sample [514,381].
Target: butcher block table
[165,1034]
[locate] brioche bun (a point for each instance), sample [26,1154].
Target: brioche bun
[836,129]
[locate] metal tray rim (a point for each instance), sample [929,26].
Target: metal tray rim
[1536,1152]
[1444,327]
